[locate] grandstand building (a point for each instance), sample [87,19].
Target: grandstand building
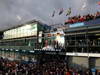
[83,43]
[78,43]
[19,42]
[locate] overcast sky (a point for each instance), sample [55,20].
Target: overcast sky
[12,10]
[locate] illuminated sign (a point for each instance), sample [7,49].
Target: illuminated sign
[59,37]
[40,36]
[27,30]
[76,25]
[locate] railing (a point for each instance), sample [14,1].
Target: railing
[83,54]
[17,47]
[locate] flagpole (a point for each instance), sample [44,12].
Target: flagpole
[52,22]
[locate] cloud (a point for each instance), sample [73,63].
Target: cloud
[40,10]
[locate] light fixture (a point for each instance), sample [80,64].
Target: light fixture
[7,49]
[23,50]
[16,50]
[31,51]
[97,34]
[11,49]
[2,48]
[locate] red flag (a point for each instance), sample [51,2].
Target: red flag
[98,3]
[61,11]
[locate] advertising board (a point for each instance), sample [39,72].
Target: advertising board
[23,31]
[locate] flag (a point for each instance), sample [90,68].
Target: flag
[98,3]
[53,13]
[61,11]
[68,12]
[18,17]
[83,6]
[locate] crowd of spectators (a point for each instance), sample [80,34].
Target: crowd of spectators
[83,42]
[79,18]
[54,45]
[8,67]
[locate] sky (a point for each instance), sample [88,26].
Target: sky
[14,12]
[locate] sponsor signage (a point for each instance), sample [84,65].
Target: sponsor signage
[76,25]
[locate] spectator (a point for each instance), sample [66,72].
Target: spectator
[54,67]
[79,18]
